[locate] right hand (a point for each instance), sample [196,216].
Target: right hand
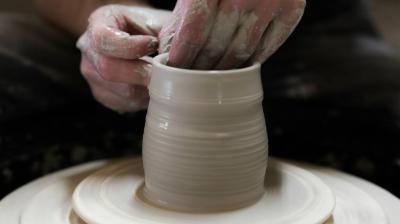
[116,39]
[227,34]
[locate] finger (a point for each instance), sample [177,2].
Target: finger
[279,30]
[134,72]
[192,32]
[167,33]
[123,90]
[119,44]
[225,25]
[117,103]
[248,35]
[108,34]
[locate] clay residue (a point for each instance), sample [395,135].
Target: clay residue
[244,37]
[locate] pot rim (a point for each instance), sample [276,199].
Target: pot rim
[160,60]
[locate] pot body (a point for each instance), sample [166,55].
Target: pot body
[205,142]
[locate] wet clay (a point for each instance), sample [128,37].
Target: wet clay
[205,140]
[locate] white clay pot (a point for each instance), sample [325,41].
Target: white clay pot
[205,141]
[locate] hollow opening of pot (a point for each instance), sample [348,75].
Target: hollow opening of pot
[162,60]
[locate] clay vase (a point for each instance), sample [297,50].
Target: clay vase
[205,140]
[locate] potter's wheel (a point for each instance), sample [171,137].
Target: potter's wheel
[114,195]
[48,200]
[352,204]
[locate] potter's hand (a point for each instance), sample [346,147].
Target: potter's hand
[225,34]
[115,40]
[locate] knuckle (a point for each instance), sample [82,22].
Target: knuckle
[242,53]
[82,42]
[85,73]
[84,70]
[214,47]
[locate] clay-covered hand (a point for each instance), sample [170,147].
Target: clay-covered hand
[112,49]
[225,34]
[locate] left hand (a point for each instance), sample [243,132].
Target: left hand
[226,34]
[113,47]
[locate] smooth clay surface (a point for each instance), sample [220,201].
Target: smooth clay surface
[205,140]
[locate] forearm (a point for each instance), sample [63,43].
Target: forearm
[72,15]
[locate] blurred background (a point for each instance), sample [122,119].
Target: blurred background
[386,14]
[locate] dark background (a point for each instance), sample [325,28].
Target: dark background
[385,12]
